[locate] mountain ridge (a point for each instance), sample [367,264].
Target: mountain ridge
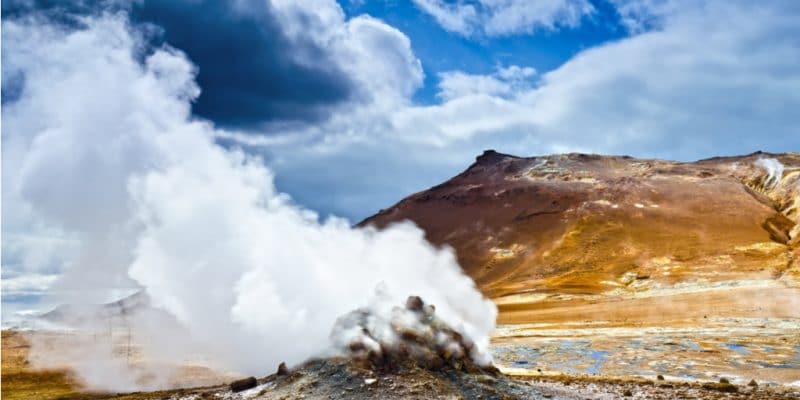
[515,221]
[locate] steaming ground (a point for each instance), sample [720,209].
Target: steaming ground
[108,153]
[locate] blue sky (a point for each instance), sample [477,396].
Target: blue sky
[440,50]
[352,106]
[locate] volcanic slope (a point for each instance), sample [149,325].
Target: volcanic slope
[606,248]
[588,224]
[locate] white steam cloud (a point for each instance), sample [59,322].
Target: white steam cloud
[106,149]
[774,170]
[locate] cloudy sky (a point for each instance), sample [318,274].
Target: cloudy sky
[354,104]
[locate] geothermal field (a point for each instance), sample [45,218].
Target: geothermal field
[612,277]
[400,199]
[615,266]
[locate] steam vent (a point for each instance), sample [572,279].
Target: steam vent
[412,337]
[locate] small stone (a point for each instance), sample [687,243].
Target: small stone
[753,383]
[660,377]
[370,381]
[724,380]
[627,393]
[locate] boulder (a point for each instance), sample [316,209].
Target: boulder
[243,384]
[283,369]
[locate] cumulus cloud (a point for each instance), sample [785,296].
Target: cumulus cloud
[506,81]
[276,62]
[641,15]
[695,74]
[154,202]
[252,70]
[453,17]
[696,84]
[505,17]
[259,62]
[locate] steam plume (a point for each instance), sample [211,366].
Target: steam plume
[774,170]
[108,152]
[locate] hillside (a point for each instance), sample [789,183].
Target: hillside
[620,266]
[586,224]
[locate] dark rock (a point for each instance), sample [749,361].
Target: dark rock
[627,393]
[414,303]
[753,383]
[491,369]
[243,384]
[705,174]
[283,369]
[491,157]
[660,377]
[724,380]
[722,387]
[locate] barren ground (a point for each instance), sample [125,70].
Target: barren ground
[607,271]
[340,379]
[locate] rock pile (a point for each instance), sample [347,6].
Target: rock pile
[410,336]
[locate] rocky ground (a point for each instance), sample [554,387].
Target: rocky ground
[341,379]
[418,364]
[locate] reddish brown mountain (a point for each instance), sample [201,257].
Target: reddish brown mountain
[581,226]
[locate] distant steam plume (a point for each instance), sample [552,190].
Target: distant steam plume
[774,170]
[108,152]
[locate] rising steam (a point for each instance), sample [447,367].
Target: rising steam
[108,152]
[774,170]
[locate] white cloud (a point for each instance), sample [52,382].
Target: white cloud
[515,73]
[639,15]
[506,81]
[454,17]
[377,56]
[27,284]
[506,17]
[380,57]
[719,77]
